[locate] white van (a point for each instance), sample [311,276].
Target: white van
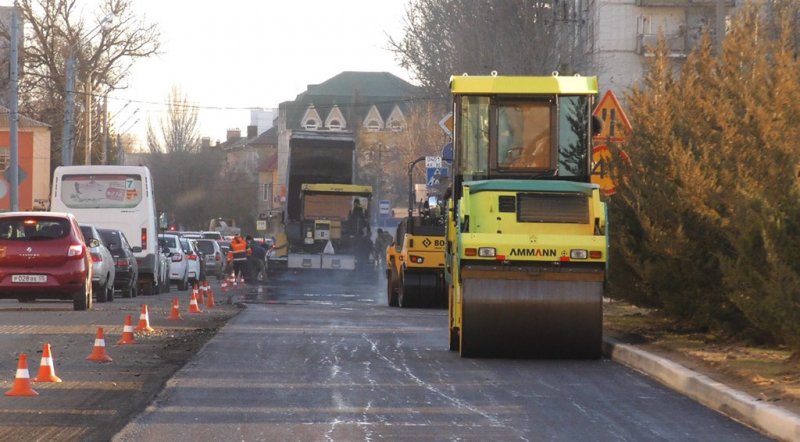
[115,197]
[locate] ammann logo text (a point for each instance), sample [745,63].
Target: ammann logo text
[533,252]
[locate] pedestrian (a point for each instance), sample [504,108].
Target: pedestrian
[238,255]
[256,261]
[358,217]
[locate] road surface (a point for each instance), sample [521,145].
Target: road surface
[318,361]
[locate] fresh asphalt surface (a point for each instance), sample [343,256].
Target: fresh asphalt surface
[313,360]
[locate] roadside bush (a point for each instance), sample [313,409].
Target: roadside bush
[705,222]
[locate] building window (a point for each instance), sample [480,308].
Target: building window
[396,126]
[335,125]
[311,125]
[5,157]
[373,126]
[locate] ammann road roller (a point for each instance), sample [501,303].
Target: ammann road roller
[527,238]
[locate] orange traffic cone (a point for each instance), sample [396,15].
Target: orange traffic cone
[144,321]
[210,298]
[193,307]
[200,294]
[235,280]
[127,332]
[47,372]
[99,350]
[22,383]
[176,312]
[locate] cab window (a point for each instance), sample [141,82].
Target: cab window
[473,138]
[523,135]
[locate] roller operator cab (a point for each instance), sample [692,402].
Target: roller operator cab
[527,243]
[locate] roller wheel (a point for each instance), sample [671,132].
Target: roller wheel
[391,290]
[454,339]
[409,291]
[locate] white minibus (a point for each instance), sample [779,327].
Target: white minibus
[115,197]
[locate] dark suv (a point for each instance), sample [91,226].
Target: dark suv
[127,271]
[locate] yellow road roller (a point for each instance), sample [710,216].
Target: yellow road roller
[527,238]
[415,261]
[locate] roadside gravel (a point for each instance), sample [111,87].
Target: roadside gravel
[95,400]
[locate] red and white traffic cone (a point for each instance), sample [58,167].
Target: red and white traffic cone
[22,382]
[210,298]
[193,307]
[176,312]
[99,349]
[198,295]
[127,333]
[144,321]
[47,372]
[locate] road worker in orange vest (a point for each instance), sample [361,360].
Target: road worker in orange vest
[238,255]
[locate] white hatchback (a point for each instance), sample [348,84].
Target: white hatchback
[178,267]
[192,260]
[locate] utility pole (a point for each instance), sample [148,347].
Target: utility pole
[88,118]
[120,151]
[69,114]
[104,156]
[13,115]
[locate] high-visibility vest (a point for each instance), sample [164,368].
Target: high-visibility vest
[239,250]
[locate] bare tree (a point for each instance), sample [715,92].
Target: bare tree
[514,37]
[178,128]
[384,156]
[54,31]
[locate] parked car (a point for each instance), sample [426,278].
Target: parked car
[126,275]
[213,235]
[43,256]
[103,268]
[193,261]
[212,257]
[164,263]
[178,269]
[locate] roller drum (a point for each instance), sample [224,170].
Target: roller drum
[423,288]
[526,318]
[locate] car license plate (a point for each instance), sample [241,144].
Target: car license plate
[29,278]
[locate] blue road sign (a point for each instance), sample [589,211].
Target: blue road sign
[447,153]
[436,175]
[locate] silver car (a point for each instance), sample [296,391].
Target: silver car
[103,265]
[212,257]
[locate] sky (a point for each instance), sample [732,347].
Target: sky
[237,54]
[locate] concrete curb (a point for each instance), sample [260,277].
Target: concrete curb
[767,418]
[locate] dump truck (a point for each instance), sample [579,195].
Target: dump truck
[322,228]
[527,236]
[415,261]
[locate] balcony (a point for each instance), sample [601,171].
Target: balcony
[677,44]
